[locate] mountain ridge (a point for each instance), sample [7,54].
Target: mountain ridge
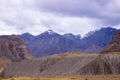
[50,42]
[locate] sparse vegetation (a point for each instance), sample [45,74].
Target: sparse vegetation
[3,63]
[82,77]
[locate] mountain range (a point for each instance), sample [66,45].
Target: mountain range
[50,42]
[16,59]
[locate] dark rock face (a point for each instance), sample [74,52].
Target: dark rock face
[50,42]
[114,45]
[12,47]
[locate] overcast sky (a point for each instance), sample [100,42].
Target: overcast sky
[62,16]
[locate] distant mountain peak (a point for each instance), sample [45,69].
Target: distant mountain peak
[27,37]
[70,35]
[50,32]
[27,34]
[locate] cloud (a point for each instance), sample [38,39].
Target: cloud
[76,16]
[106,11]
[5,29]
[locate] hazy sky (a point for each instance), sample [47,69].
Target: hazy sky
[76,16]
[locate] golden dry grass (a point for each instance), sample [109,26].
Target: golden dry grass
[3,63]
[83,77]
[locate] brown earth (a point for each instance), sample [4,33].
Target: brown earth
[3,63]
[114,45]
[68,64]
[12,47]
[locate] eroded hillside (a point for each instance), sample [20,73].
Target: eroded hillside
[12,47]
[66,65]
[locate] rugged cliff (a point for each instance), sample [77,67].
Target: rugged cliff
[114,45]
[12,47]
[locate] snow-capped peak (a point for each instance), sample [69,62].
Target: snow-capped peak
[50,32]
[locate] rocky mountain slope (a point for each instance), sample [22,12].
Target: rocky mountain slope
[97,40]
[50,42]
[68,64]
[27,37]
[114,45]
[12,47]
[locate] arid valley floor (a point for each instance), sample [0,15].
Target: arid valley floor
[82,77]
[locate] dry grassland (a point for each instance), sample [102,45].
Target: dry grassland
[83,77]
